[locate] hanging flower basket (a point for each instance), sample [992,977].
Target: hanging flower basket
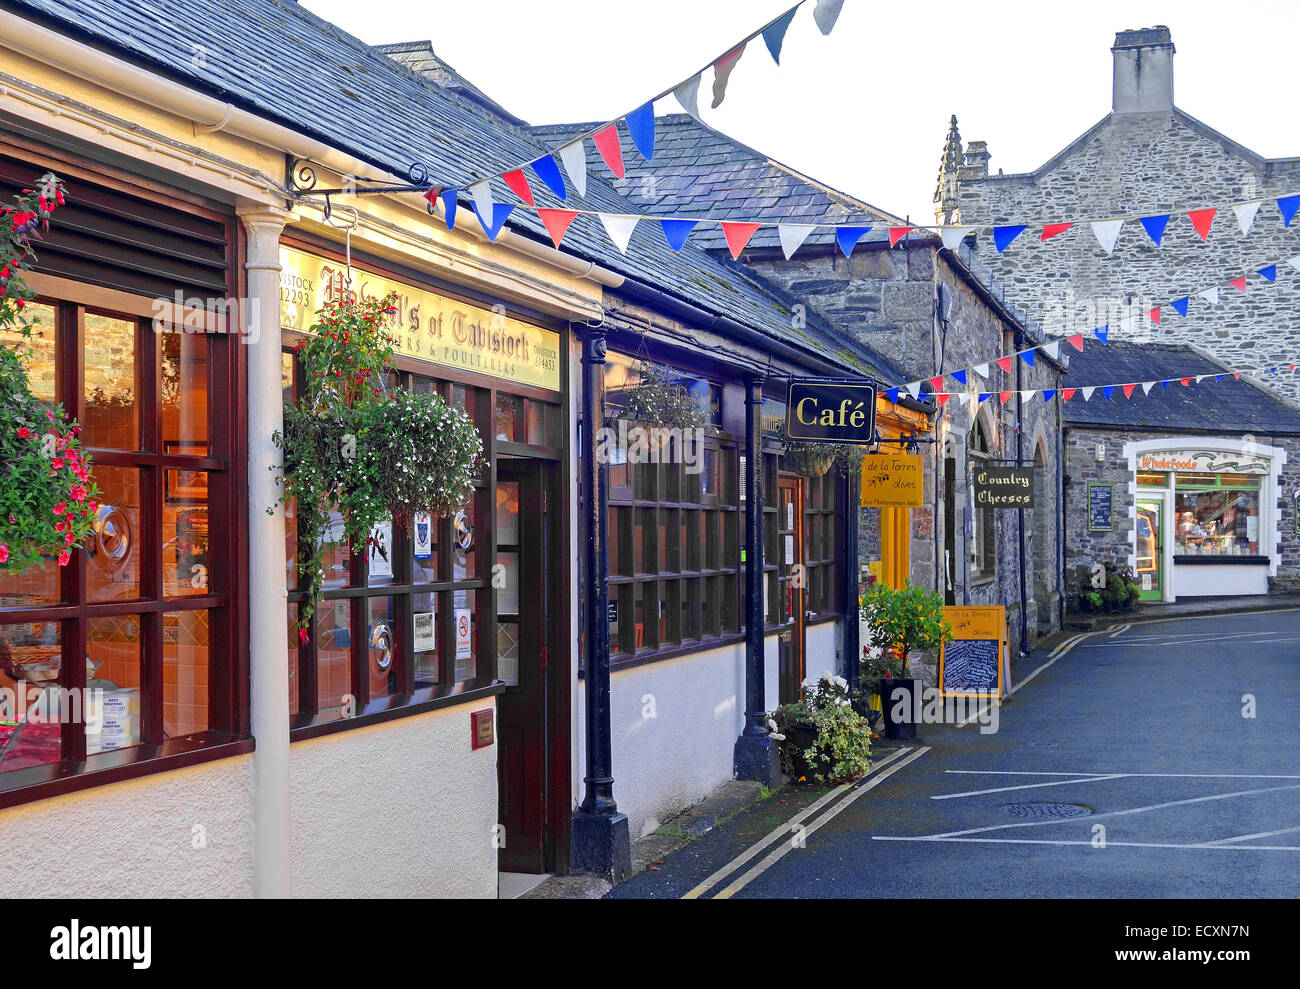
[659,400]
[848,460]
[810,459]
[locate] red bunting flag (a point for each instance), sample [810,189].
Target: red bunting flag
[1050,230]
[936,383]
[1237,375]
[1006,396]
[433,194]
[1128,390]
[942,398]
[1239,283]
[610,147]
[557,222]
[1005,364]
[1202,220]
[1184,381]
[896,234]
[1076,341]
[519,185]
[1154,314]
[738,235]
[1067,394]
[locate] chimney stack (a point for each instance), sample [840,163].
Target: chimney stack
[1144,71]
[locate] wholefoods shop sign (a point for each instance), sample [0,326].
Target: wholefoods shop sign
[427,326]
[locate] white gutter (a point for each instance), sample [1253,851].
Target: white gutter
[35,41]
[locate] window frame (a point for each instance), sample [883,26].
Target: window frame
[981,543]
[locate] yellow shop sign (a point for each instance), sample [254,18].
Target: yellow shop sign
[427,326]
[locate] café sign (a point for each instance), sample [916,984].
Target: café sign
[427,326]
[824,411]
[1203,462]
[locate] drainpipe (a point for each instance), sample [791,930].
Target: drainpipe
[852,645]
[756,757]
[268,622]
[600,843]
[1020,512]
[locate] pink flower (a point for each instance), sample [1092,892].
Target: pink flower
[302,632]
[67,538]
[4,552]
[77,492]
[64,557]
[24,432]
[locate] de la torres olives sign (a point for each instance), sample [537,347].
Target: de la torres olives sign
[426,325]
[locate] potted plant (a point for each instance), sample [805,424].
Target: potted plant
[1134,595]
[1094,600]
[659,400]
[1116,593]
[822,738]
[899,622]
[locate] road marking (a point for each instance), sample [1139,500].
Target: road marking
[1053,656]
[783,830]
[1120,813]
[1028,786]
[1188,776]
[1170,639]
[778,853]
[1109,843]
[1121,629]
[1251,837]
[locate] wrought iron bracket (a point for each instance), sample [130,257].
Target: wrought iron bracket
[301,181]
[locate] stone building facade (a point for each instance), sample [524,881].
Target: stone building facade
[1146,157]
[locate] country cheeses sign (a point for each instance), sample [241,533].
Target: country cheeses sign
[426,326]
[1203,462]
[1004,487]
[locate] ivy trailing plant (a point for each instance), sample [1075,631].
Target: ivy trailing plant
[48,498]
[359,452]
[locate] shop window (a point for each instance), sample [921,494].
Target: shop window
[821,543]
[147,607]
[1221,519]
[982,543]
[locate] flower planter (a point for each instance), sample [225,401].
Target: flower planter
[801,738]
[893,693]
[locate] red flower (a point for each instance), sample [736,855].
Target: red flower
[24,432]
[302,632]
[4,552]
[64,557]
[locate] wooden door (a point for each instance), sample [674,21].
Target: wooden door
[791,586]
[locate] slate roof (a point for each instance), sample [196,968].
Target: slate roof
[699,171]
[280,61]
[1228,406]
[420,57]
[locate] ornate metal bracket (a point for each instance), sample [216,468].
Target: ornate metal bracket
[301,181]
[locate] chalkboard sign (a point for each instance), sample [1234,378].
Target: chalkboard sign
[1100,505]
[971,664]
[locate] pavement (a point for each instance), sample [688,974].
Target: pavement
[1187,608]
[1155,759]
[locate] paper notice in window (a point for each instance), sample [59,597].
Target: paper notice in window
[463,647]
[789,550]
[422,535]
[425,636]
[1252,528]
[381,563]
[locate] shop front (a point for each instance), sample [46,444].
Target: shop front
[1205,516]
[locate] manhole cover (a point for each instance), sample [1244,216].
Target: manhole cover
[1038,809]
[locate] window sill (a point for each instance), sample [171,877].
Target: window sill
[983,580]
[23,786]
[392,708]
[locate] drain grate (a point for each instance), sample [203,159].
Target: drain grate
[1046,810]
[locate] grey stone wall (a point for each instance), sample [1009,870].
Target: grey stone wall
[1145,164]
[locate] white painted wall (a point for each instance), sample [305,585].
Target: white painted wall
[1197,580]
[136,839]
[403,808]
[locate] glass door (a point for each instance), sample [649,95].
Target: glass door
[1150,549]
[791,587]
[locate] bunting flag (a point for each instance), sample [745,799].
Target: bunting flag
[1210,295]
[1076,341]
[1053,350]
[792,236]
[641,126]
[481,193]
[1050,230]
[1067,394]
[449,203]
[1107,233]
[557,222]
[619,227]
[574,157]
[500,211]
[774,33]
[1003,236]
[722,74]
[1108,391]
[1147,386]
[611,148]
[1239,283]
[1269,272]
[1048,393]
[1088,392]
[1245,213]
[982,370]
[892,395]
[984,396]
[547,169]
[1155,227]
[1288,205]
[1202,220]
[915,389]
[942,399]
[959,377]
[688,95]
[519,186]
[896,234]
[1180,305]
[1028,357]
[826,14]
[676,231]
[1128,391]
[1154,314]
[1004,363]
[953,236]
[1006,395]
[848,237]
[738,235]
[1102,332]
[936,383]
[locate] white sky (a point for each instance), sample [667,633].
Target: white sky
[865,110]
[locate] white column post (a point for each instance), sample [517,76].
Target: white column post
[268,621]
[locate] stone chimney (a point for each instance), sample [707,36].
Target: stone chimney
[1144,71]
[977,160]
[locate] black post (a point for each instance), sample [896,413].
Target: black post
[757,756]
[600,843]
[852,643]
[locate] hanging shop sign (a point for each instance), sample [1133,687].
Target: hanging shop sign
[971,664]
[1203,462]
[1004,487]
[831,411]
[427,326]
[892,480]
[1101,503]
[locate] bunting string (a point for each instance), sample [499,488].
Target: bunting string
[1182,306]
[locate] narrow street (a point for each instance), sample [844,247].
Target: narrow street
[1140,731]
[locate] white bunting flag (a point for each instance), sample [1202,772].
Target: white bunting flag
[981,369]
[1027,395]
[793,235]
[1107,233]
[914,389]
[970,398]
[1246,215]
[574,156]
[953,236]
[688,95]
[619,228]
[1294,262]
[1052,350]
[1210,295]
[1147,386]
[1201,377]
[481,193]
[1087,392]
[826,13]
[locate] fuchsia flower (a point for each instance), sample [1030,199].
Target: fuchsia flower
[64,557]
[4,552]
[302,632]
